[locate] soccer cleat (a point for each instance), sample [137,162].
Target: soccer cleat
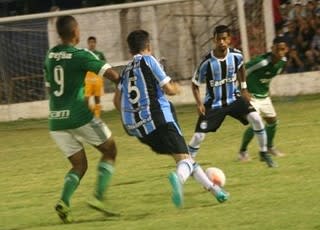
[221,196]
[64,212]
[243,156]
[177,193]
[97,204]
[275,152]
[266,157]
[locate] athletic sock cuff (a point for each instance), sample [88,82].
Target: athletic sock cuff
[106,166]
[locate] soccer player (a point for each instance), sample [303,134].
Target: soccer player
[220,70]
[70,120]
[93,82]
[260,71]
[148,115]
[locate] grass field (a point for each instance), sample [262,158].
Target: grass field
[288,197]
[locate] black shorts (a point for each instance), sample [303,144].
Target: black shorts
[166,139]
[212,120]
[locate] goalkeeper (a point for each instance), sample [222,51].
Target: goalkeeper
[94,83]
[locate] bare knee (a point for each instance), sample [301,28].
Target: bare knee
[108,150]
[79,162]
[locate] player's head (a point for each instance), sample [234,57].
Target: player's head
[92,42]
[279,47]
[222,37]
[68,29]
[138,41]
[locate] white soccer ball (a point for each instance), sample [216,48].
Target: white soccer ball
[216,175]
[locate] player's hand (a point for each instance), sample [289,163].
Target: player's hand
[201,109]
[177,87]
[246,95]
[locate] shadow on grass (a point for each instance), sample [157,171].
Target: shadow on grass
[137,216]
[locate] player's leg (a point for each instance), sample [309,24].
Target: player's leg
[248,133]
[98,134]
[270,116]
[72,149]
[186,165]
[271,128]
[195,142]
[258,127]
[245,113]
[246,139]
[208,123]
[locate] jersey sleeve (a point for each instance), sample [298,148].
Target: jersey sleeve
[200,74]
[92,63]
[46,74]
[157,71]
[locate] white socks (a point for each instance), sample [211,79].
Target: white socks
[258,127]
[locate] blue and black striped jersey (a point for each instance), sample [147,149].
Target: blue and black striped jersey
[144,106]
[220,76]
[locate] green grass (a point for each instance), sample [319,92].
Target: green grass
[32,170]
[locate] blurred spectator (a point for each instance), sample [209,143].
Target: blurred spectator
[305,35]
[294,64]
[297,12]
[313,54]
[301,27]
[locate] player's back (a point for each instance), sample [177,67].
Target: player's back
[144,104]
[65,73]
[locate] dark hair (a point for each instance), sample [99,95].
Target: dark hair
[138,41]
[221,29]
[65,25]
[280,39]
[92,38]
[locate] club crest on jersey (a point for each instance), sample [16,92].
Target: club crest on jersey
[204,125]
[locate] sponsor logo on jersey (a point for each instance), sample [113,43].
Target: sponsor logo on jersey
[59,114]
[139,123]
[60,55]
[214,83]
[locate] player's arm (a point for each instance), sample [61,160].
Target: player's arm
[171,88]
[197,97]
[112,75]
[199,77]
[243,84]
[117,99]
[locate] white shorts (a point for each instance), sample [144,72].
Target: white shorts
[263,106]
[70,141]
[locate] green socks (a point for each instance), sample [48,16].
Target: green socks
[271,131]
[246,138]
[105,171]
[71,182]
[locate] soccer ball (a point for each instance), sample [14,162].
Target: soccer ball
[216,175]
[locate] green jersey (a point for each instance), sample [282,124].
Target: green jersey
[260,71]
[65,71]
[99,55]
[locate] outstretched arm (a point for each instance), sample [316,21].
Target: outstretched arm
[112,75]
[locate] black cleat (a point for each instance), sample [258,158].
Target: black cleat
[266,157]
